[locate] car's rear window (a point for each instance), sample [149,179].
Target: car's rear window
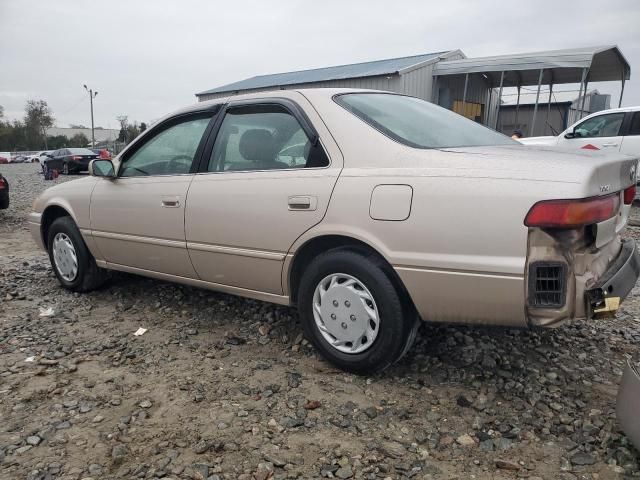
[81,151]
[418,123]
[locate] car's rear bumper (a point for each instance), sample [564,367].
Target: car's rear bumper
[79,165]
[616,282]
[628,404]
[34,222]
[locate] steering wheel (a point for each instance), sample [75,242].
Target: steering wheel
[172,166]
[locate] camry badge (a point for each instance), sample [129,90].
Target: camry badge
[605,188]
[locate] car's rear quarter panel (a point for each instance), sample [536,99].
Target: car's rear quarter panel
[461,254]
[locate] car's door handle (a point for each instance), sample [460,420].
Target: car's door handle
[609,144]
[303,202]
[170,202]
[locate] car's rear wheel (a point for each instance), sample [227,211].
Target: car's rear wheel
[65,168]
[353,313]
[71,260]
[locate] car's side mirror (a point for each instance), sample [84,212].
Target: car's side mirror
[48,155]
[570,135]
[102,168]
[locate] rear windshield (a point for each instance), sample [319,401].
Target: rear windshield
[418,123]
[81,151]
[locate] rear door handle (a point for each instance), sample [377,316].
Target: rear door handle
[609,144]
[170,202]
[303,202]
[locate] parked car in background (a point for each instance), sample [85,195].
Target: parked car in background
[19,159]
[69,160]
[353,205]
[615,130]
[39,156]
[102,153]
[4,157]
[4,193]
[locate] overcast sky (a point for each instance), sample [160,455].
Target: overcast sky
[146,58]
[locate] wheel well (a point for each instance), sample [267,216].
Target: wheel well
[319,245]
[49,215]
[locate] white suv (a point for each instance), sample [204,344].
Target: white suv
[615,130]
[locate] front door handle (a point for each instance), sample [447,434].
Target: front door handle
[609,144]
[170,202]
[303,202]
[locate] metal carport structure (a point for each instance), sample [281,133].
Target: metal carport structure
[577,65]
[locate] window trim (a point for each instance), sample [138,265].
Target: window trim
[289,105]
[212,113]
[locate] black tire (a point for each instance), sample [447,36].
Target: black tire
[398,323]
[4,203]
[89,276]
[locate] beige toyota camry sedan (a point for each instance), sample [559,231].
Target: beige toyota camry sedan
[367,210]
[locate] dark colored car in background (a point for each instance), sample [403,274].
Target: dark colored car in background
[4,193]
[69,160]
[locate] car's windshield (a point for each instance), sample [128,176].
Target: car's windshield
[81,151]
[418,123]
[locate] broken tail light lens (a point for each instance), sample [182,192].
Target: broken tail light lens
[629,194]
[572,213]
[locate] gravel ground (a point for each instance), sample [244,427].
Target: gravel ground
[225,388]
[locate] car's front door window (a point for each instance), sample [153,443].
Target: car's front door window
[170,152]
[600,126]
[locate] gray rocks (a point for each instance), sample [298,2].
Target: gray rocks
[582,458]
[34,440]
[344,472]
[507,465]
[118,453]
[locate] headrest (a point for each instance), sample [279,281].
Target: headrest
[257,145]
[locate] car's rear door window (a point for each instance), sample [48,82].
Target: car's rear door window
[634,129]
[169,152]
[264,137]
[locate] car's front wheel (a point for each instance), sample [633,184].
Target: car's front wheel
[353,313]
[71,260]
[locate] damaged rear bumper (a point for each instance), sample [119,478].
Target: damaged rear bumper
[615,283]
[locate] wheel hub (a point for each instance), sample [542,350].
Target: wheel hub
[345,313]
[64,257]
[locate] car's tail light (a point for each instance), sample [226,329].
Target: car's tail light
[629,194]
[3,183]
[572,213]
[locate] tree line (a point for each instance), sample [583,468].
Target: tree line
[30,132]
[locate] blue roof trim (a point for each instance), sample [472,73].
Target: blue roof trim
[340,72]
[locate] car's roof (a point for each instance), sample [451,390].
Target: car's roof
[327,92]
[621,109]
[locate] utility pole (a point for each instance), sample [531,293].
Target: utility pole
[92,95]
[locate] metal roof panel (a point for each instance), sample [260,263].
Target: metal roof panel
[340,72]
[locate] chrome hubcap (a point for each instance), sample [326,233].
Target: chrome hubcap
[64,257]
[345,313]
